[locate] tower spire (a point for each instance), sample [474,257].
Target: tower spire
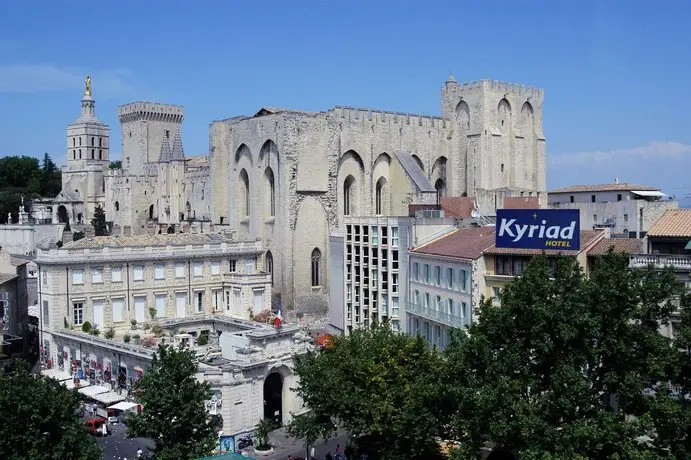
[88,104]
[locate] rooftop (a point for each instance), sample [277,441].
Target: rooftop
[588,237]
[521,202]
[5,277]
[462,243]
[616,187]
[173,239]
[458,206]
[675,223]
[626,245]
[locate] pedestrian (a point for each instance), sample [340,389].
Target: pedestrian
[139,452]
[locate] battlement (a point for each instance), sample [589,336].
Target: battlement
[495,85]
[388,117]
[151,111]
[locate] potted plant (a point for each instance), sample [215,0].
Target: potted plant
[126,338]
[110,333]
[261,433]
[134,324]
[152,313]
[136,338]
[86,327]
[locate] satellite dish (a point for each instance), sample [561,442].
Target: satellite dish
[475,213]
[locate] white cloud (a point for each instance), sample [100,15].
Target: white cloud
[664,164]
[19,78]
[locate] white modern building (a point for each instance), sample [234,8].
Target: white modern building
[627,210]
[445,283]
[117,282]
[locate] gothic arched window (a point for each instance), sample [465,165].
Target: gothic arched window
[245,191]
[316,261]
[270,265]
[348,195]
[117,206]
[271,190]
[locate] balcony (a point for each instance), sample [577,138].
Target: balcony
[676,262]
[435,315]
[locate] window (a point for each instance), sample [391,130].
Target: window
[465,314]
[520,264]
[452,307]
[117,206]
[179,270]
[93,153]
[270,265]
[347,195]
[316,260]
[594,217]
[618,196]
[100,142]
[375,278]
[427,273]
[77,276]
[394,307]
[215,268]
[375,235]
[463,275]
[116,274]
[450,276]
[233,266]
[394,283]
[93,139]
[228,300]
[44,277]
[592,198]
[216,299]
[437,275]
[250,265]
[138,273]
[160,303]
[427,300]
[200,301]
[626,217]
[245,190]
[96,275]
[503,266]
[495,293]
[198,266]
[571,199]
[271,190]
[159,271]
[438,303]
[416,271]
[394,237]
[78,313]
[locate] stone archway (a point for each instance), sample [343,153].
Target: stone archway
[273,398]
[62,214]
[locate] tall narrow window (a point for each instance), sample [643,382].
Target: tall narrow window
[348,208]
[270,265]
[316,260]
[271,190]
[381,199]
[245,191]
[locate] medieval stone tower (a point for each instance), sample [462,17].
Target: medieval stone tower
[83,185]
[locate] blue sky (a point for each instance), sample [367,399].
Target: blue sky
[616,74]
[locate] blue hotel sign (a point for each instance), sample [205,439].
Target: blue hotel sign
[538,229]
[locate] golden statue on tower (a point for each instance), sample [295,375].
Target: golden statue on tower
[87,86]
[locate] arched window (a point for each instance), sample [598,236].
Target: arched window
[245,194]
[117,206]
[381,201]
[270,265]
[440,187]
[271,190]
[348,195]
[151,212]
[316,260]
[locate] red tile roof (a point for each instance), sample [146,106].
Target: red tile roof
[457,206]
[521,202]
[588,237]
[675,223]
[627,245]
[462,243]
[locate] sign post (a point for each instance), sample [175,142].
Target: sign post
[538,229]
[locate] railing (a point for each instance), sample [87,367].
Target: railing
[677,262]
[247,278]
[435,315]
[105,343]
[147,253]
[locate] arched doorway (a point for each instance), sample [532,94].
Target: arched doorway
[62,214]
[273,398]
[170,230]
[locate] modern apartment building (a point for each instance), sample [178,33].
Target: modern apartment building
[112,282]
[444,284]
[627,210]
[369,268]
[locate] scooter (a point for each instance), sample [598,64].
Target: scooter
[244,442]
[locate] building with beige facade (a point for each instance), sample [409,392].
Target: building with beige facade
[112,282]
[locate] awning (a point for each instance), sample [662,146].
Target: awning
[93,390]
[56,374]
[124,405]
[654,193]
[70,384]
[110,397]
[688,246]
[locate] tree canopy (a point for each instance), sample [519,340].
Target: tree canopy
[99,222]
[376,383]
[41,420]
[23,176]
[555,369]
[175,414]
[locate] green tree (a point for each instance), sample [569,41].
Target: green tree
[51,178]
[378,384]
[41,419]
[99,222]
[552,372]
[175,414]
[115,164]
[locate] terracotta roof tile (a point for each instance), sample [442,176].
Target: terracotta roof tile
[627,245]
[457,206]
[588,237]
[462,243]
[624,186]
[673,223]
[521,202]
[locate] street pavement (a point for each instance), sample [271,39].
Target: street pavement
[117,446]
[284,445]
